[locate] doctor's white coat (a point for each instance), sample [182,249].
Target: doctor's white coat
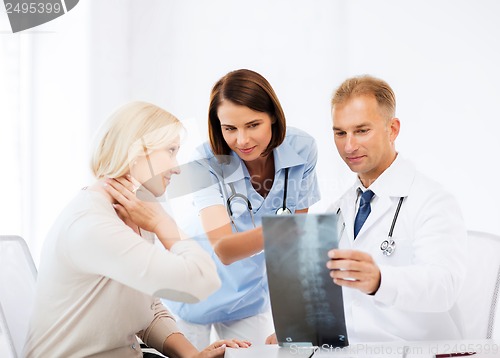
[423,277]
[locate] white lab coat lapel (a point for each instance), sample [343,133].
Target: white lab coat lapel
[377,211]
[347,214]
[395,182]
[392,184]
[347,207]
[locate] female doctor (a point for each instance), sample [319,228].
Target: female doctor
[261,167]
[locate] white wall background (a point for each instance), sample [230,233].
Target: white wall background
[65,77]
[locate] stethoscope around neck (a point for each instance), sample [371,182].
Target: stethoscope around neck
[388,246]
[283,210]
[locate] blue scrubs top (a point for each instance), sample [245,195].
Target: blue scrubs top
[244,291]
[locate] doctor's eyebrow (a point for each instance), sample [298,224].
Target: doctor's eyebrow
[254,121]
[362,125]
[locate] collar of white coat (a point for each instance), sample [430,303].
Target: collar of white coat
[285,156]
[395,181]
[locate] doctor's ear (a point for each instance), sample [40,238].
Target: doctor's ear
[394,129]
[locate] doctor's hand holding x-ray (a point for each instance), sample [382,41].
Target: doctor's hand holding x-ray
[355,269]
[402,251]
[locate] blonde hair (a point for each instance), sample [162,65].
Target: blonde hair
[133,130]
[367,85]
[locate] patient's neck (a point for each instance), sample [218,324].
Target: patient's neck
[98,186]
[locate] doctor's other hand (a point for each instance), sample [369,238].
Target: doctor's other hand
[356,269]
[218,348]
[272,339]
[147,214]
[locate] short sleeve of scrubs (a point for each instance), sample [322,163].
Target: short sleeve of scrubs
[309,190]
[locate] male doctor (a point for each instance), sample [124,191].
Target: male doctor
[402,287]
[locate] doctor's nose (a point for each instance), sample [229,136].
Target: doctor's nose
[242,138]
[351,144]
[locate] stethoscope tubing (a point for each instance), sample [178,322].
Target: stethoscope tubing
[285,190]
[234,195]
[388,246]
[395,218]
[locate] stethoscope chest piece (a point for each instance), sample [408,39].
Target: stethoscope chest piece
[283,211]
[388,247]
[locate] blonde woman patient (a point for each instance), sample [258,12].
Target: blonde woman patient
[101,274]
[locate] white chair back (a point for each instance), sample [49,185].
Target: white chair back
[494,321]
[478,301]
[17,291]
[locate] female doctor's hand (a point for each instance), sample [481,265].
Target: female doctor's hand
[356,269]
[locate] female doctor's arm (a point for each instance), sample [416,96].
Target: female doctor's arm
[231,247]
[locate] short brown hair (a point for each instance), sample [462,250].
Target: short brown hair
[367,85]
[249,89]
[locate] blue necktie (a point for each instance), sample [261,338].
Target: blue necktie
[363,211]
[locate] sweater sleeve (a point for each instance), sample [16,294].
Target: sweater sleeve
[105,246]
[162,326]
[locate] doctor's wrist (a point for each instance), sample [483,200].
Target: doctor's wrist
[377,286]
